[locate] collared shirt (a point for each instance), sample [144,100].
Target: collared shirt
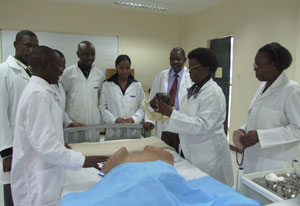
[86,72]
[114,78]
[21,64]
[194,90]
[170,84]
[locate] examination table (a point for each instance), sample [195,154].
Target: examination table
[85,187]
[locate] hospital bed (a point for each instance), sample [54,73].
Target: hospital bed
[87,178]
[80,180]
[72,134]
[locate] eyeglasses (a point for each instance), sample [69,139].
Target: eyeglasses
[194,67]
[260,66]
[255,66]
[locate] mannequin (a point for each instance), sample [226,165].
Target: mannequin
[150,153]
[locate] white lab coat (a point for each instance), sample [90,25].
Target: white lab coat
[199,123]
[82,98]
[39,155]
[13,79]
[60,92]
[275,115]
[114,104]
[160,84]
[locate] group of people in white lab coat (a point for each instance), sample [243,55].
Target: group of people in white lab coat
[39,154]
[32,133]
[32,119]
[163,83]
[200,119]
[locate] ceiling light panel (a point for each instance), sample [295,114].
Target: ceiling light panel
[135,4]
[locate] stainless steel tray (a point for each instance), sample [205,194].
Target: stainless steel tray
[295,182]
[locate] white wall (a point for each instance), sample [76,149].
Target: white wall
[107,46]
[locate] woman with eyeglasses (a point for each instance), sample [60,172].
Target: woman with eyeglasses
[200,120]
[272,133]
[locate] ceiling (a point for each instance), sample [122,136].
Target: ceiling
[175,7]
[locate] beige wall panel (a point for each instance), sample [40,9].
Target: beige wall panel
[253,23]
[146,37]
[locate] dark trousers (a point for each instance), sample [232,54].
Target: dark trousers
[8,201]
[171,139]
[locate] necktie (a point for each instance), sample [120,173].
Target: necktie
[173,90]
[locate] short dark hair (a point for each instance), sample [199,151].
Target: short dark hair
[122,57]
[280,56]
[206,57]
[178,49]
[85,43]
[22,33]
[38,54]
[61,55]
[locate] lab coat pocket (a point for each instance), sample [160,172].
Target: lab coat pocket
[203,155]
[96,88]
[50,183]
[132,100]
[96,85]
[269,118]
